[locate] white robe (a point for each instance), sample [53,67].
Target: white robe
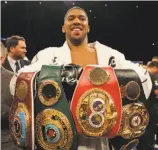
[62,55]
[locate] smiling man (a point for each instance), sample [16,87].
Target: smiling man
[77,50]
[76,26]
[76,30]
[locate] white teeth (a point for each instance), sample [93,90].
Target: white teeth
[76,29]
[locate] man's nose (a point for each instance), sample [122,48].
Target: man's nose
[25,51]
[76,21]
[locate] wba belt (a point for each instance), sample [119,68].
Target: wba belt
[55,128]
[21,115]
[96,103]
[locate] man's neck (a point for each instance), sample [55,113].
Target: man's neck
[82,47]
[11,56]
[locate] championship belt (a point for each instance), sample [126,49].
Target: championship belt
[21,117]
[96,104]
[135,116]
[55,128]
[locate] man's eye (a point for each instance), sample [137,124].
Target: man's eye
[70,18]
[82,18]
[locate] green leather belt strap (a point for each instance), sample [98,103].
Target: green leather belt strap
[55,127]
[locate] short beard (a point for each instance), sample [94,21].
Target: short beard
[77,42]
[18,57]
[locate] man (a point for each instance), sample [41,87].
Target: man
[16,47]
[147,141]
[155,58]
[6,100]
[153,67]
[77,50]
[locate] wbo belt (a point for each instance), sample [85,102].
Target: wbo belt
[96,104]
[55,128]
[21,115]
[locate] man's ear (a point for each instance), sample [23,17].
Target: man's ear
[88,29]
[12,49]
[63,29]
[2,60]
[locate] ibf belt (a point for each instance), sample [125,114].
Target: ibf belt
[55,128]
[96,103]
[21,115]
[135,119]
[130,86]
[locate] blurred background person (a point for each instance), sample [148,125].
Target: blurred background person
[16,57]
[155,58]
[6,100]
[152,67]
[147,141]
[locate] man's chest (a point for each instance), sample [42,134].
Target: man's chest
[84,58]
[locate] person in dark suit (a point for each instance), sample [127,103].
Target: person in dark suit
[16,47]
[6,100]
[147,140]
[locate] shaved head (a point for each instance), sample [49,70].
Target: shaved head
[75,7]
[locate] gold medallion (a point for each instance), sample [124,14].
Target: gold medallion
[132,90]
[49,92]
[96,112]
[21,90]
[135,119]
[98,76]
[53,130]
[96,120]
[131,145]
[20,125]
[98,105]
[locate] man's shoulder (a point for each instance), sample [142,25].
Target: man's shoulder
[46,55]
[49,49]
[104,47]
[6,72]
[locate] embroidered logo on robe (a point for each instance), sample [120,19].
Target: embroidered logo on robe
[112,62]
